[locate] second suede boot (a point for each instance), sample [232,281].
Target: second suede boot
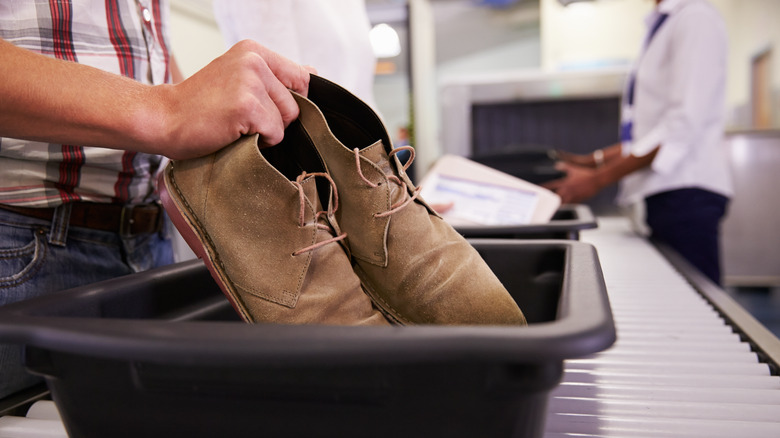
[415,266]
[255,218]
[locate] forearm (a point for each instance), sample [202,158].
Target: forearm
[602,156]
[616,166]
[244,91]
[177,76]
[613,152]
[45,99]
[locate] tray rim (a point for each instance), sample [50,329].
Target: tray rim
[584,327]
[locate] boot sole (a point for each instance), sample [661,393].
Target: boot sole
[190,229]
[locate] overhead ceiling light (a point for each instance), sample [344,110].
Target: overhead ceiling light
[385,41]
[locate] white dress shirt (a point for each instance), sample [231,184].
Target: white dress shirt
[330,35]
[679,104]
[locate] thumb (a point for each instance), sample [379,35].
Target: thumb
[552,185]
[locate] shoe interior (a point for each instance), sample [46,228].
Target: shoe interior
[296,154]
[350,119]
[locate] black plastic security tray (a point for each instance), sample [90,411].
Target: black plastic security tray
[566,223]
[161,354]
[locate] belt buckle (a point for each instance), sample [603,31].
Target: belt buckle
[126,221]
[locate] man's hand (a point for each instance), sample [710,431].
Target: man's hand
[244,91]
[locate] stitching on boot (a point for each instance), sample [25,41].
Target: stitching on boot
[310,255]
[210,247]
[207,184]
[218,261]
[385,185]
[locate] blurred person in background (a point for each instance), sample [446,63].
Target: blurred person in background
[671,158]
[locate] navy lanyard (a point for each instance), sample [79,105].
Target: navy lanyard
[627,126]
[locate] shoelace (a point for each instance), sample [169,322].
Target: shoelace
[398,205]
[334,205]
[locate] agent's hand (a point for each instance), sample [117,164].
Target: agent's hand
[579,184]
[576,159]
[244,91]
[442,208]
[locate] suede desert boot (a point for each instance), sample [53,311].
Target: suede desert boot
[254,217]
[415,266]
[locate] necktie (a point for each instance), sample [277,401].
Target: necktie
[627,123]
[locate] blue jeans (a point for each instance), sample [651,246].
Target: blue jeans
[688,220]
[38,257]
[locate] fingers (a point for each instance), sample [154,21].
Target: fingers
[442,207]
[554,184]
[558,187]
[245,91]
[268,122]
[278,75]
[565,198]
[561,188]
[294,76]
[282,99]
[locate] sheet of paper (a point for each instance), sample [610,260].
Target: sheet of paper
[481,203]
[485,196]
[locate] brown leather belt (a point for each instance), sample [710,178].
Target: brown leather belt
[127,220]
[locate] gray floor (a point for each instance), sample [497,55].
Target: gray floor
[762,302]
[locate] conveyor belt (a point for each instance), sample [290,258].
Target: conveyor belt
[677,369]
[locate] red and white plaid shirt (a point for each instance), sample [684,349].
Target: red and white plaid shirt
[126,37]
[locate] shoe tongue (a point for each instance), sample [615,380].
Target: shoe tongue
[377,154]
[310,192]
[331,228]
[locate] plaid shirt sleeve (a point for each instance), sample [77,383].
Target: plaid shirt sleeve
[126,37]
